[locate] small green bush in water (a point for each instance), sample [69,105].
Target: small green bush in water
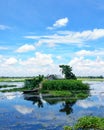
[88,123]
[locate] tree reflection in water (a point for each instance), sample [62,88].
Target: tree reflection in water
[36,99]
[66,106]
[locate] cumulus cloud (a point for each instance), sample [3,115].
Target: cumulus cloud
[23,109]
[4,27]
[40,63]
[87,67]
[25,48]
[10,61]
[40,59]
[59,23]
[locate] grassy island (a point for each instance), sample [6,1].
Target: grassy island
[65,87]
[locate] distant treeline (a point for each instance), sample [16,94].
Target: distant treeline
[16,77]
[91,77]
[101,77]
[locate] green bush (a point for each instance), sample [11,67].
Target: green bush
[34,82]
[64,85]
[67,128]
[88,123]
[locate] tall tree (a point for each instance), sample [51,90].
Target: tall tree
[67,71]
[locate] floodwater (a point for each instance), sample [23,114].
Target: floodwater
[19,111]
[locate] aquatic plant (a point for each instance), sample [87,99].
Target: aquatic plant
[87,123]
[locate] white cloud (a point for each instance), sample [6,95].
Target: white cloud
[85,35]
[39,64]
[42,63]
[87,67]
[4,27]
[69,37]
[23,109]
[10,61]
[99,52]
[59,23]
[59,57]
[25,48]
[83,53]
[40,59]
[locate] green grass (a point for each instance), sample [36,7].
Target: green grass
[88,123]
[15,89]
[60,93]
[6,86]
[64,85]
[22,79]
[69,88]
[91,79]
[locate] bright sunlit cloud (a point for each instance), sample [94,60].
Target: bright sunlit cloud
[25,48]
[59,23]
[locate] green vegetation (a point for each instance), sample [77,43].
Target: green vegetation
[69,88]
[90,79]
[67,71]
[60,93]
[64,85]
[14,89]
[13,79]
[34,82]
[29,84]
[87,123]
[6,86]
[72,95]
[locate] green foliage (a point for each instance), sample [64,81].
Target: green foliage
[60,93]
[64,85]
[88,123]
[12,79]
[6,86]
[68,128]
[33,83]
[67,71]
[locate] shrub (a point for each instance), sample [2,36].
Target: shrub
[88,123]
[33,83]
[64,85]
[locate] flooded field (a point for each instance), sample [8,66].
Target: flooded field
[28,112]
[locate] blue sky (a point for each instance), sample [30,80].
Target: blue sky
[36,36]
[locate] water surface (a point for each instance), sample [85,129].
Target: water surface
[27,112]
